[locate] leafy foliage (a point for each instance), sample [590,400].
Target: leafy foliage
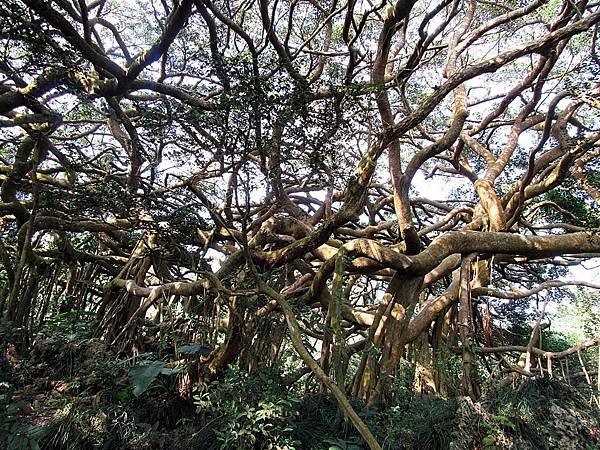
[252,411]
[573,201]
[14,432]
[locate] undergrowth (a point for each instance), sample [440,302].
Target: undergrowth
[73,393]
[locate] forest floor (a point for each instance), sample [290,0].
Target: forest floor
[67,392]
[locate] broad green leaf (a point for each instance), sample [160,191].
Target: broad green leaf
[169,371]
[141,376]
[193,349]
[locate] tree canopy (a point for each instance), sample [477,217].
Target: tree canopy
[368,182]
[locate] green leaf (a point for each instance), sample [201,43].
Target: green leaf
[141,376]
[169,371]
[17,442]
[192,349]
[335,444]
[124,394]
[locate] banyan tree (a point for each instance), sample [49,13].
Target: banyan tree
[359,181]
